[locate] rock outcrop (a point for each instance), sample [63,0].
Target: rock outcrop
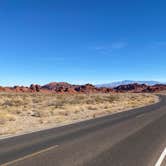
[156,88]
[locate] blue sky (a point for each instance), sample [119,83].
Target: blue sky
[80,41]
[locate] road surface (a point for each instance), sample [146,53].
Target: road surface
[132,138]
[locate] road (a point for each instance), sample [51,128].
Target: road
[131,138]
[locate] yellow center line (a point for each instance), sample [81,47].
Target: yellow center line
[29,156]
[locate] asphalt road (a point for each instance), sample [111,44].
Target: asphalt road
[132,138]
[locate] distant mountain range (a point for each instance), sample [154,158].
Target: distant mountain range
[126,82]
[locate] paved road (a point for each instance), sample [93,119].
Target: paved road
[132,138]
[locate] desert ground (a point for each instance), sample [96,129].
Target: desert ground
[26,112]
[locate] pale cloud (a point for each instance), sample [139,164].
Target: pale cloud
[100,48]
[111,47]
[118,45]
[159,44]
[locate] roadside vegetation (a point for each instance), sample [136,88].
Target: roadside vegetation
[24,112]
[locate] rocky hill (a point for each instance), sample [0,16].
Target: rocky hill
[131,87]
[137,88]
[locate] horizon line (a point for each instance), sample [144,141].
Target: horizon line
[83,83]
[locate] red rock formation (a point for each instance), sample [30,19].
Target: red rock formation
[21,89]
[140,88]
[106,90]
[63,87]
[87,88]
[35,88]
[58,87]
[156,88]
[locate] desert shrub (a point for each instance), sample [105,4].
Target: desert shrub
[92,107]
[111,98]
[8,103]
[59,104]
[5,117]
[98,99]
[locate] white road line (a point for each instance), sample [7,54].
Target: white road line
[160,160]
[29,156]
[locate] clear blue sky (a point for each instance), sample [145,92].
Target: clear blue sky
[82,41]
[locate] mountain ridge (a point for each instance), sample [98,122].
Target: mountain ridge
[126,82]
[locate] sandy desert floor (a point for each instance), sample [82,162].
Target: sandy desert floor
[26,112]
